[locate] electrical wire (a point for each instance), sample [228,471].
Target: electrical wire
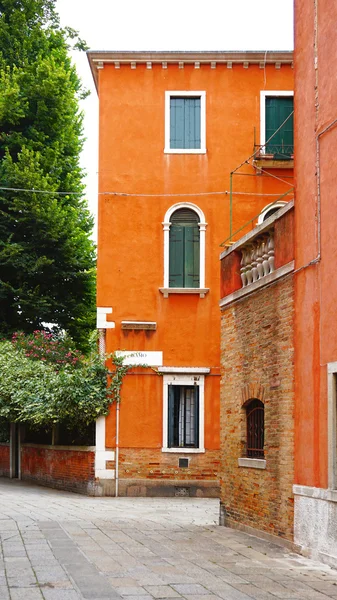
[134,195]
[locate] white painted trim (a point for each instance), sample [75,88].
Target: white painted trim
[252,463]
[184,379]
[168,96]
[184,450]
[102,322]
[332,424]
[202,228]
[263,95]
[181,370]
[167,291]
[101,454]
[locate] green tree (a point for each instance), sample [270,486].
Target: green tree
[46,256]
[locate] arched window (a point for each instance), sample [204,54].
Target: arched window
[184,249]
[184,253]
[269,210]
[255,428]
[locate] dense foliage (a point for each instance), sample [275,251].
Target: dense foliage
[43,392]
[46,256]
[48,347]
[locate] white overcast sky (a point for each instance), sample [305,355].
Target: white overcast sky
[163,25]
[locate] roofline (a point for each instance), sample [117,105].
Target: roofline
[97,58]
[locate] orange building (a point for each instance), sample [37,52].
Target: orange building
[172,127]
[315,487]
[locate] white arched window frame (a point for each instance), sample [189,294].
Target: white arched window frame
[275,206]
[202,229]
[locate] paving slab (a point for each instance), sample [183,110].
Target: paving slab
[57,545]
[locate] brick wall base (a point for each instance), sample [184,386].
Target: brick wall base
[142,488]
[64,468]
[151,472]
[4,460]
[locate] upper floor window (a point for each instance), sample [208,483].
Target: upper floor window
[255,428]
[269,210]
[184,250]
[184,253]
[277,123]
[185,126]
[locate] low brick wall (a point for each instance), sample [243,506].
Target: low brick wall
[151,472]
[4,460]
[62,467]
[257,362]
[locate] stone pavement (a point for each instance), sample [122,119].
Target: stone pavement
[62,546]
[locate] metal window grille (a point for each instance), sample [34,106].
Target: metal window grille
[255,429]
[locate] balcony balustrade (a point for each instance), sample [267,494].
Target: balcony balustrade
[257,259]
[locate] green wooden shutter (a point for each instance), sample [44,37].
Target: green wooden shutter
[170,417]
[185,114]
[277,110]
[192,123]
[177,119]
[176,256]
[184,252]
[192,256]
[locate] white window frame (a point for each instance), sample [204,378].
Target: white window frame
[332,425]
[263,96]
[184,93]
[202,229]
[272,205]
[188,380]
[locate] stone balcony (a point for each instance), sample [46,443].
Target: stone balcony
[260,257]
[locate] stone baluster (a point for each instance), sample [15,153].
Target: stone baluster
[259,253]
[270,248]
[243,268]
[265,256]
[254,262]
[249,273]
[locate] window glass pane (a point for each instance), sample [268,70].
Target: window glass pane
[183,417]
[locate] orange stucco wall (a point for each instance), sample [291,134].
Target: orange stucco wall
[315,233]
[130,231]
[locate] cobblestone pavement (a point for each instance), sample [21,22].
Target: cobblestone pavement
[62,546]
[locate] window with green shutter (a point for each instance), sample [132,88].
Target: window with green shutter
[185,125]
[184,250]
[279,116]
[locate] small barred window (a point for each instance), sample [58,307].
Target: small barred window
[255,429]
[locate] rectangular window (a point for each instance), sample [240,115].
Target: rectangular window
[183,416]
[277,124]
[185,122]
[183,410]
[332,425]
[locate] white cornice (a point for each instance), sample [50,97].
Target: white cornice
[181,59]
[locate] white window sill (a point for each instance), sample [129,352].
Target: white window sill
[184,150]
[184,450]
[201,291]
[252,463]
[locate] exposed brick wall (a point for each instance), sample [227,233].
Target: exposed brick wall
[257,361]
[4,460]
[66,469]
[152,469]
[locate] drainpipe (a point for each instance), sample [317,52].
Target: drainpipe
[117,450]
